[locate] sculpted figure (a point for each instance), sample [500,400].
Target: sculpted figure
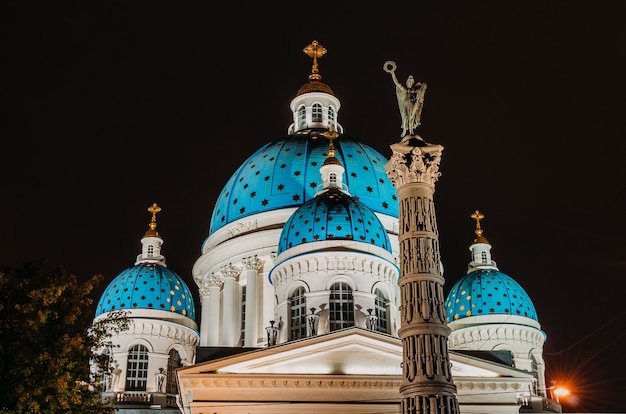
[160,380]
[410,99]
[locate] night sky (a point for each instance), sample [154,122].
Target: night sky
[109,107]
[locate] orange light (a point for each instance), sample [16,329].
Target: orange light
[561,391]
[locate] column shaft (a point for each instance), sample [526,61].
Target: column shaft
[427,386]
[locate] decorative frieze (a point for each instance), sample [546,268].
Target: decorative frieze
[382,271]
[241,227]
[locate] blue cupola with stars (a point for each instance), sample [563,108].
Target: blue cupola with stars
[487,292]
[149,284]
[284,173]
[333,214]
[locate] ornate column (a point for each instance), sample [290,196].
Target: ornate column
[229,335]
[210,320]
[427,386]
[253,266]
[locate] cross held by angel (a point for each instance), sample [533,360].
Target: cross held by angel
[410,99]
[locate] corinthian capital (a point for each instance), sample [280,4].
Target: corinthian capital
[212,280]
[414,163]
[231,271]
[253,263]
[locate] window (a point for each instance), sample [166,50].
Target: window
[301,116]
[341,305]
[173,362]
[150,250]
[298,314]
[380,303]
[483,257]
[332,178]
[535,370]
[316,115]
[137,368]
[331,117]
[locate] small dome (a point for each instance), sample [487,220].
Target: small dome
[315,86]
[285,173]
[488,292]
[147,286]
[333,215]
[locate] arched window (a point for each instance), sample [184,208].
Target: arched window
[483,257]
[298,314]
[137,368]
[341,304]
[150,250]
[316,115]
[331,117]
[535,370]
[380,303]
[173,362]
[301,116]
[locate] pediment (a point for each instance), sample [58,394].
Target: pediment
[353,351]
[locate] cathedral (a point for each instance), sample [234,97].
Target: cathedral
[310,279]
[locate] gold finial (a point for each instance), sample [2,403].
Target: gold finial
[154,209]
[331,134]
[315,51]
[478,216]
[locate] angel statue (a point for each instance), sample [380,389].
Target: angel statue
[410,99]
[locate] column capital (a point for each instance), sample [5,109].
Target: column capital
[231,271]
[253,263]
[414,163]
[209,281]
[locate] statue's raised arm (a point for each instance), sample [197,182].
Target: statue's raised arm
[410,99]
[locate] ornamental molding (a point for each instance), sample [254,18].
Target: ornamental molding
[301,268]
[283,383]
[169,331]
[498,385]
[502,333]
[242,227]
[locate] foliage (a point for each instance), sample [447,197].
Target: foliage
[47,341]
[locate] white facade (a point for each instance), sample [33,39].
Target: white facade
[267,355]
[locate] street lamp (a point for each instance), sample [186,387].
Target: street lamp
[560,392]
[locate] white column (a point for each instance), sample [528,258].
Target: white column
[229,334]
[253,265]
[210,319]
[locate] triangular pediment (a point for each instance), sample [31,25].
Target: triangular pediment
[353,351]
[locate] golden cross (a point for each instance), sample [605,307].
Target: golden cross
[331,134]
[314,50]
[476,215]
[154,209]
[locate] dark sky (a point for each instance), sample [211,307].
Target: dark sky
[111,106]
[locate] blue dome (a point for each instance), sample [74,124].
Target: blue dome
[333,215]
[286,173]
[488,292]
[147,286]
